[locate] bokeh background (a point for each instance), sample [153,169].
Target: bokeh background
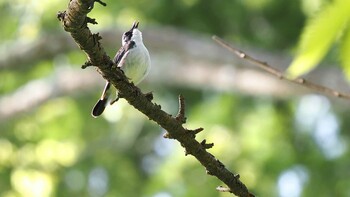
[283,139]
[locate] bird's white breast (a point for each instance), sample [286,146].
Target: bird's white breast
[137,63]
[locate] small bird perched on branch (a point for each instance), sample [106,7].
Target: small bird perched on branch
[133,58]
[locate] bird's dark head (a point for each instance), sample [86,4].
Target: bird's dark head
[127,36]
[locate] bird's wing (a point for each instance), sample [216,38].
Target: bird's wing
[123,52]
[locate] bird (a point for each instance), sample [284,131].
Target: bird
[133,59]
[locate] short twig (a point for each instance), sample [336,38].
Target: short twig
[86,64]
[149,96]
[194,132]
[91,20]
[266,67]
[61,15]
[181,114]
[206,145]
[102,3]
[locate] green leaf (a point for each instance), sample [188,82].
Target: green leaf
[344,55]
[318,36]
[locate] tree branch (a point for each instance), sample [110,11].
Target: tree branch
[74,22]
[266,67]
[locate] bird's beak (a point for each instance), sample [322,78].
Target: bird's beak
[135,25]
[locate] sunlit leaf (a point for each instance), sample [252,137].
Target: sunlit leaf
[318,37]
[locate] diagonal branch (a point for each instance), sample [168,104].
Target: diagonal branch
[266,67]
[74,21]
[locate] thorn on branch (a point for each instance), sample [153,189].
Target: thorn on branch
[97,37]
[100,2]
[91,20]
[195,131]
[237,176]
[61,15]
[207,146]
[86,64]
[181,114]
[159,106]
[167,135]
[149,96]
[221,164]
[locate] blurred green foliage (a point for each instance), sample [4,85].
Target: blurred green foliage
[294,147]
[330,24]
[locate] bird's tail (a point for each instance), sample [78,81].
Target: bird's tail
[102,102]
